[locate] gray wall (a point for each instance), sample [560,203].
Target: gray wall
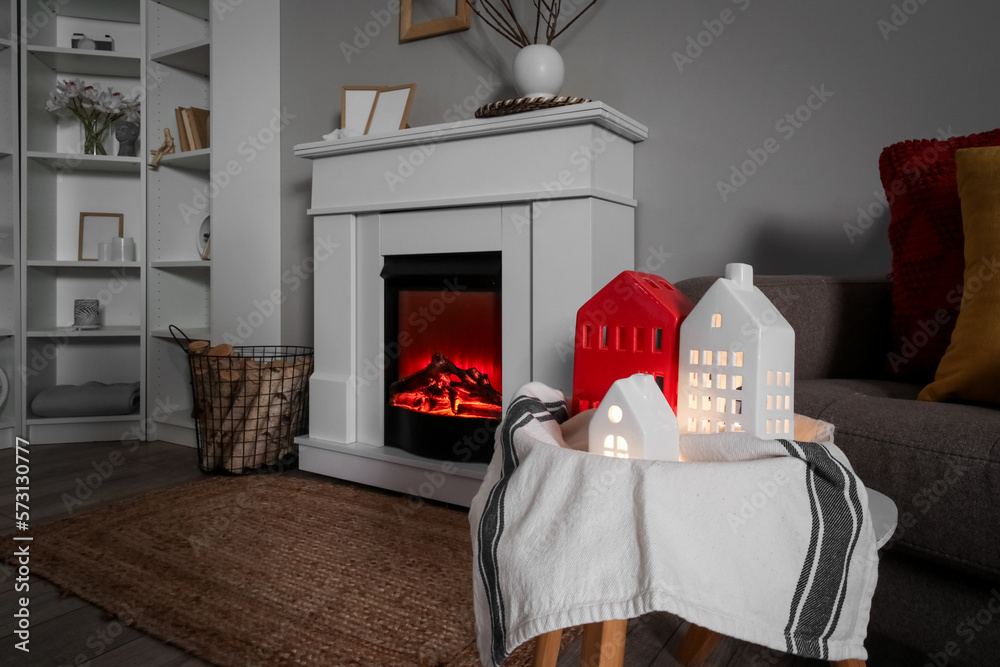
[938,70]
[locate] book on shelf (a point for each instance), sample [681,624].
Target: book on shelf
[192,127]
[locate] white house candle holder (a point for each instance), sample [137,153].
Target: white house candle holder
[736,370]
[634,421]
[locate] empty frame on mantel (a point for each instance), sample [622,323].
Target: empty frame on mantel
[435,25]
[375,109]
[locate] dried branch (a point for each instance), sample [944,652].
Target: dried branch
[574,19]
[503,19]
[502,31]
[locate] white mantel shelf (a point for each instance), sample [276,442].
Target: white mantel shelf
[444,165]
[597,113]
[551,190]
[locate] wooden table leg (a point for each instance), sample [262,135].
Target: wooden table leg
[697,645]
[547,649]
[852,662]
[604,644]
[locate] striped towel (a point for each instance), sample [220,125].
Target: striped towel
[769,541]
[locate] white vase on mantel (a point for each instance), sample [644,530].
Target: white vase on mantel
[538,71]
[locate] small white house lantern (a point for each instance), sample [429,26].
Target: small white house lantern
[736,369]
[634,421]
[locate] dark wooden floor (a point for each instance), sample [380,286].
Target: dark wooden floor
[70,631]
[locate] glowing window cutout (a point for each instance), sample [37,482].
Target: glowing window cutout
[721,380]
[622,444]
[788,402]
[692,401]
[738,382]
[787,424]
[706,425]
[706,380]
[721,427]
[768,426]
[692,425]
[609,442]
[770,378]
[615,414]
[723,357]
[737,428]
[716,320]
[706,403]
[694,357]
[788,378]
[720,404]
[738,359]
[707,354]
[693,379]
[737,406]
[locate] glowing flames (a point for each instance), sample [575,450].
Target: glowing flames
[442,388]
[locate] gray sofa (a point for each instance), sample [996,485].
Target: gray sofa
[939,576]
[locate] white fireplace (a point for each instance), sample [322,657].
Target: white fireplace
[551,190]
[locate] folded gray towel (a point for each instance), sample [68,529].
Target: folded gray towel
[92,399]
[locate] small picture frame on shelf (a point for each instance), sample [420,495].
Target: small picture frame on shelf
[375,109]
[97,228]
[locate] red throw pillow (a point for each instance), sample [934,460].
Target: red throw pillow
[928,260]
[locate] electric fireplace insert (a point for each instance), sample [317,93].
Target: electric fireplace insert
[443,378]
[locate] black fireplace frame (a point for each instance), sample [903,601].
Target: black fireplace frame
[435,436]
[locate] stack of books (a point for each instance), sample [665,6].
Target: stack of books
[192,128]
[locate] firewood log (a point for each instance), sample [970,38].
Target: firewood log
[198,347]
[249,446]
[282,407]
[211,392]
[232,423]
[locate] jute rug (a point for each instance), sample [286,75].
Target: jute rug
[271,570]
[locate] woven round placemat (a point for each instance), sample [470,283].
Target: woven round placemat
[278,571]
[522,104]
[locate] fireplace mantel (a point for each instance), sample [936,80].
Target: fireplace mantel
[551,190]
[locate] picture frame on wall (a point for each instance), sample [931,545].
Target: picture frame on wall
[97,228]
[410,31]
[375,109]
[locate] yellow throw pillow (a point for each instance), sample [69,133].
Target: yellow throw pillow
[970,369]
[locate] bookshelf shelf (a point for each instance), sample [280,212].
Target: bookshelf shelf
[194,57]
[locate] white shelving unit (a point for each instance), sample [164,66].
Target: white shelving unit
[11,423]
[57,184]
[179,41]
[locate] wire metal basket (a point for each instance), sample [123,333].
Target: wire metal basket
[250,402]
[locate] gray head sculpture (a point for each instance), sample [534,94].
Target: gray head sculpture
[126,133]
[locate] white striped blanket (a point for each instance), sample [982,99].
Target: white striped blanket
[769,541]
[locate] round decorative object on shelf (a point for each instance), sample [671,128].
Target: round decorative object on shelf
[4,388]
[538,71]
[523,104]
[204,238]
